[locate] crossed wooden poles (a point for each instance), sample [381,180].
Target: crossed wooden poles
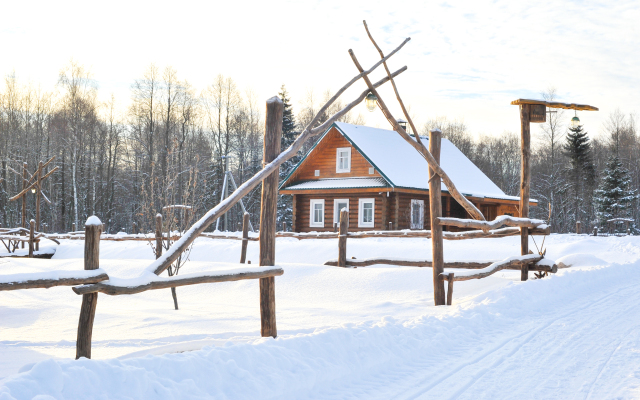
[29,183]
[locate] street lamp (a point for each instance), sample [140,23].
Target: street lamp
[371,100]
[33,190]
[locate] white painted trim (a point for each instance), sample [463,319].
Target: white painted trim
[343,170]
[313,224]
[336,212]
[361,223]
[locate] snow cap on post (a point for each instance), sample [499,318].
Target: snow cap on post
[158,215]
[274,99]
[436,130]
[93,220]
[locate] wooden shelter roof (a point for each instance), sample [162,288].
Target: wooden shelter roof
[556,104]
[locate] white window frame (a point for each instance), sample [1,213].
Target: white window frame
[343,170]
[336,212]
[420,223]
[312,214]
[361,223]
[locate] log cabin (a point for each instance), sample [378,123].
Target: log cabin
[383,182]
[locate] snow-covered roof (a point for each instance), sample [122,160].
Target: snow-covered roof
[340,183]
[402,166]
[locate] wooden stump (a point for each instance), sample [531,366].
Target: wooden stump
[450,289]
[342,238]
[245,237]
[32,226]
[89,301]
[268,210]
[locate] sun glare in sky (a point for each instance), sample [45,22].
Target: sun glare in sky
[466,60]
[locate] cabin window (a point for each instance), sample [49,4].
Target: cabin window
[317,213]
[338,205]
[343,159]
[366,213]
[417,214]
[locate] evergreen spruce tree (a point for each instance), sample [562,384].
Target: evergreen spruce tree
[581,171]
[289,134]
[614,196]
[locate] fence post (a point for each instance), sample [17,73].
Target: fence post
[245,237]
[158,235]
[342,238]
[73,227]
[595,231]
[268,211]
[435,205]
[450,289]
[626,225]
[32,226]
[578,230]
[92,230]
[134,228]
[390,225]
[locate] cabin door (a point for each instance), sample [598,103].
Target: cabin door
[417,214]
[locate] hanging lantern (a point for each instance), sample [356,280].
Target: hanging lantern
[371,101]
[575,121]
[33,190]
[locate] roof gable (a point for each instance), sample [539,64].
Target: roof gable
[404,167]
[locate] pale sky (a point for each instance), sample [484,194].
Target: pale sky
[466,60]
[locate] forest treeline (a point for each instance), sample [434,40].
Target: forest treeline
[170,147]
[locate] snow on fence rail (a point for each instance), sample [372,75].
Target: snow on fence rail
[533,261]
[50,279]
[470,269]
[92,280]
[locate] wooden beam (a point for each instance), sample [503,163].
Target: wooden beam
[47,283]
[525,182]
[503,220]
[433,164]
[176,281]
[268,212]
[555,104]
[90,300]
[342,238]
[435,205]
[245,238]
[495,267]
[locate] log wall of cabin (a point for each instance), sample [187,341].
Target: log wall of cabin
[396,208]
[303,211]
[323,158]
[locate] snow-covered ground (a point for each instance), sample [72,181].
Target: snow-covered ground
[343,333]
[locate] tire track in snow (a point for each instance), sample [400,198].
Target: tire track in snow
[378,384]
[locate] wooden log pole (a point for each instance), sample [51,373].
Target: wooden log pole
[73,227]
[525,182]
[595,231]
[245,237]
[578,227]
[342,238]
[32,226]
[435,204]
[24,197]
[134,228]
[450,289]
[38,195]
[268,210]
[92,230]
[158,235]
